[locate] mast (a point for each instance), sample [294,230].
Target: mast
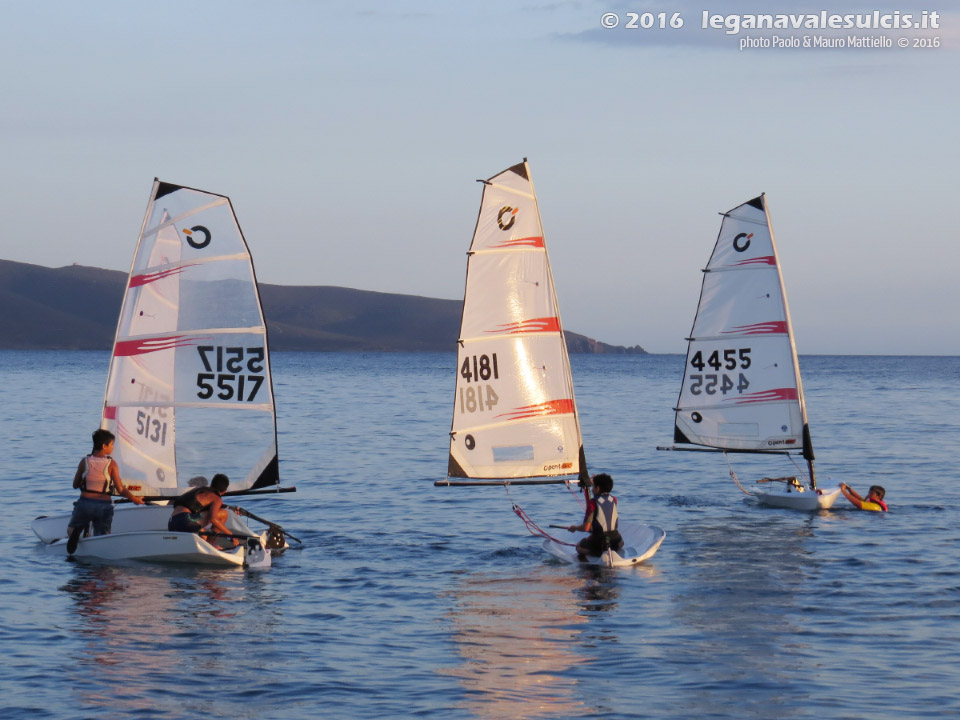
[807,451]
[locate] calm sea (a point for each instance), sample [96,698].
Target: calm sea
[408,600]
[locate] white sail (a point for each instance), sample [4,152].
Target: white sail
[189,390]
[741,387]
[514,410]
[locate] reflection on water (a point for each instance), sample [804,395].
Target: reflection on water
[518,636]
[143,629]
[745,606]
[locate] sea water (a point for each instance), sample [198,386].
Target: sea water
[407,600]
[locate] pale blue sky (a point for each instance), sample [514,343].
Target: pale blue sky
[349,136]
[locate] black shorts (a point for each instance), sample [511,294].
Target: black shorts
[594,543]
[184,522]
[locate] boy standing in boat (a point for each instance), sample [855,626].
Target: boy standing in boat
[600,520]
[98,479]
[873,501]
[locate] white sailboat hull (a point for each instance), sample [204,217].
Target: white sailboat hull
[808,500]
[139,532]
[640,543]
[126,518]
[167,547]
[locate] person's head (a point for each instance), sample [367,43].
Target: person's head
[877,491]
[102,438]
[603,483]
[220,483]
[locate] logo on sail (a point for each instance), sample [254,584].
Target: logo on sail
[764,260]
[126,348]
[513,216]
[536,242]
[774,395]
[147,278]
[194,243]
[547,324]
[551,407]
[742,246]
[774,327]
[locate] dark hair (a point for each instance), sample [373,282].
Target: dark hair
[219,483]
[102,437]
[878,491]
[603,482]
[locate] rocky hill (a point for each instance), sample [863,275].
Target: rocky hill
[76,308]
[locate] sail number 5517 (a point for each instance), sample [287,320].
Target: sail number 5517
[243,377]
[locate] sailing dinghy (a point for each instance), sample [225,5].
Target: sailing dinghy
[515,417]
[189,392]
[741,390]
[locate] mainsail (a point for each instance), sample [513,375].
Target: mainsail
[189,391]
[741,388]
[514,413]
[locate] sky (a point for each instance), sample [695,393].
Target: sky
[349,135]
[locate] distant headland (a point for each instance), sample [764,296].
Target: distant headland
[76,308]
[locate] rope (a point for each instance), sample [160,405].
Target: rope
[734,475]
[532,527]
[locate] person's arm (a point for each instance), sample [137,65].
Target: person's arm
[850,494]
[118,484]
[214,510]
[587,521]
[78,477]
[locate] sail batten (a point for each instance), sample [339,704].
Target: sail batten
[190,344]
[514,410]
[741,388]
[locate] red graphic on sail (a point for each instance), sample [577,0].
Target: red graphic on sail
[147,278]
[774,327]
[536,242]
[763,260]
[127,348]
[126,435]
[536,325]
[775,395]
[551,407]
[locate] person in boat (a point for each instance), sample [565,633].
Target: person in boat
[200,507]
[873,501]
[98,479]
[600,520]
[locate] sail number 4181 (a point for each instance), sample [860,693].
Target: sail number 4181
[479,368]
[476,368]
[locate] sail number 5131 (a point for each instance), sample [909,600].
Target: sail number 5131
[244,372]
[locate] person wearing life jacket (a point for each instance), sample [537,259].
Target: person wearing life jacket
[98,479]
[873,501]
[600,520]
[200,507]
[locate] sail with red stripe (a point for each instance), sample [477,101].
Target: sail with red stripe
[741,386]
[514,410]
[189,391]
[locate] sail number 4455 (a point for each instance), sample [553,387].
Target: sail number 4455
[729,359]
[232,372]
